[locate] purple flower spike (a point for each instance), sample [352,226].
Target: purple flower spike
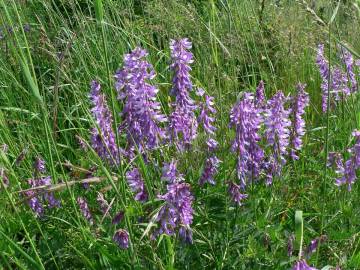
[177,210]
[84,208]
[121,237]
[325,72]
[183,124]
[48,196]
[141,113]
[137,185]
[260,95]
[302,265]
[235,194]
[169,172]
[102,136]
[206,110]
[277,132]
[212,144]
[39,166]
[210,170]
[35,204]
[314,245]
[246,120]
[348,60]
[186,234]
[37,201]
[347,171]
[104,205]
[118,217]
[290,245]
[300,102]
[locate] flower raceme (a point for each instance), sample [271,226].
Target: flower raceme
[183,125]
[277,132]
[347,170]
[102,136]
[141,113]
[177,211]
[300,102]
[137,185]
[245,118]
[39,198]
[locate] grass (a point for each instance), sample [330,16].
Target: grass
[44,105]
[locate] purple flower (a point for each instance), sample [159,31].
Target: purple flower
[348,60]
[177,210]
[37,201]
[314,245]
[137,185]
[207,109]
[246,120]
[84,208]
[212,144]
[277,131]
[186,234]
[170,174]
[39,166]
[300,102]
[104,205]
[290,245]
[325,72]
[347,171]
[339,83]
[338,79]
[118,218]
[260,95]
[183,124]
[121,237]
[235,193]
[210,170]
[302,265]
[200,92]
[48,196]
[102,136]
[141,112]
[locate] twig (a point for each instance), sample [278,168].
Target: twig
[58,187]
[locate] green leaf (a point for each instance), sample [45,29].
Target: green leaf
[299,230]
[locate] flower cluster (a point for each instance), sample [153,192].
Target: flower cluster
[84,208]
[137,185]
[235,193]
[348,60]
[210,170]
[121,237]
[141,112]
[300,102]
[277,133]
[102,136]
[183,125]
[340,83]
[39,198]
[104,205]
[246,119]
[314,245]
[302,265]
[177,210]
[207,120]
[347,170]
